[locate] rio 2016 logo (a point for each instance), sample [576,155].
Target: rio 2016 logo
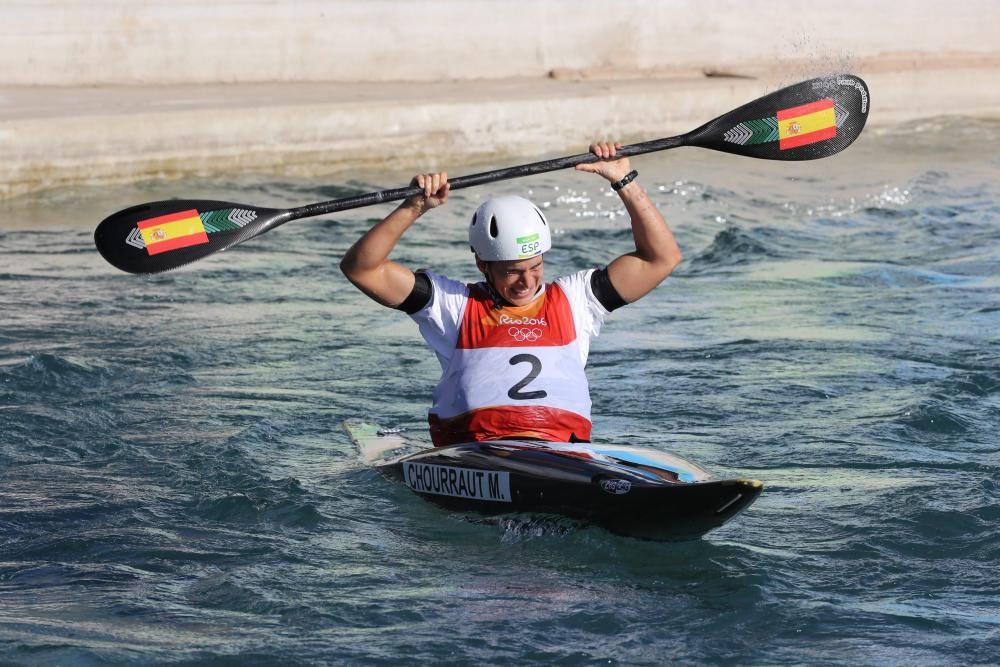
[616,487]
[507,319]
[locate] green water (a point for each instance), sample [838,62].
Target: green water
[176,488]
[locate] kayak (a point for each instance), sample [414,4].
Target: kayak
[630,491]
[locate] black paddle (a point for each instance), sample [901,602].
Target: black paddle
[806,121]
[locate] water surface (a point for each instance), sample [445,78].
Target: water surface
[176,488]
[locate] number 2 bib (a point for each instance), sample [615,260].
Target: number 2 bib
[516,373]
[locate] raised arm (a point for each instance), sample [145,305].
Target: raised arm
[656,254]
[367,263]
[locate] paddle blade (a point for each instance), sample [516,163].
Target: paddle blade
[806,121]
[163,235]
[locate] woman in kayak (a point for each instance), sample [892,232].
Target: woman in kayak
[512,348]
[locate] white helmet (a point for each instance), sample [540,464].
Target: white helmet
[508,228]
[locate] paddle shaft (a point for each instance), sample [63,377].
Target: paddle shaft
[471,180]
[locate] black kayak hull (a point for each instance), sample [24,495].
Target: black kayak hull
[628,491]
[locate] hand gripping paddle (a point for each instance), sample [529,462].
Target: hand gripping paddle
[805,121]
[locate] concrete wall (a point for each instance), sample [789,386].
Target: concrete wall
[106,91]
[113,42]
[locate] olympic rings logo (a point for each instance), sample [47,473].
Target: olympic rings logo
[524,335]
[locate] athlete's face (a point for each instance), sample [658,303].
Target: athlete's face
[516,281]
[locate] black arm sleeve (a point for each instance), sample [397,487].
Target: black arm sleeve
[419,297]
[600,284]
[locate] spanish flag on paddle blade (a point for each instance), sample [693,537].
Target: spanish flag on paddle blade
[806,124]
[172,231]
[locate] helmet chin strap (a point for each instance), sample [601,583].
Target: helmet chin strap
[498,301]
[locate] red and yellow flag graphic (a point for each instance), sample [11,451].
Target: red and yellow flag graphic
[173,231]
[806,124]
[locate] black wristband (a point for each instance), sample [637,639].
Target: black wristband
[628,178]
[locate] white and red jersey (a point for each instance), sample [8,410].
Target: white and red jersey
[512,372]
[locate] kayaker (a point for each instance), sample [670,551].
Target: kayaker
[512,348]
